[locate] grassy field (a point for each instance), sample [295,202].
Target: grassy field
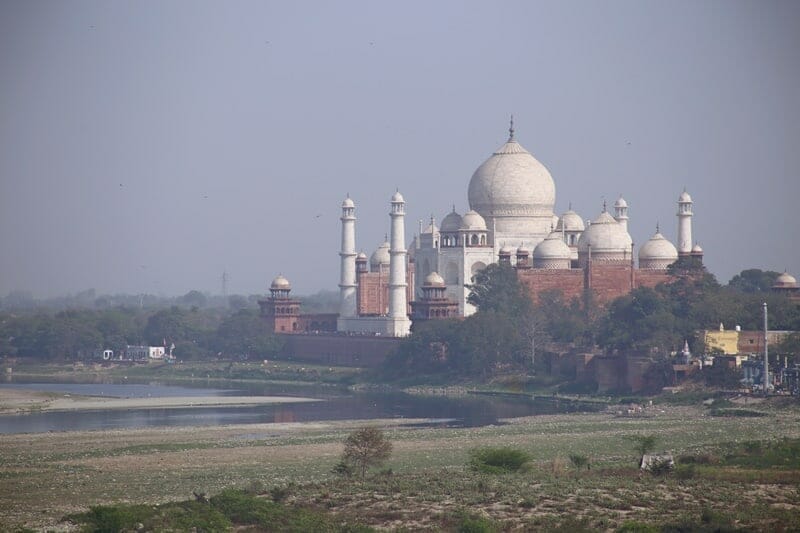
[729,474]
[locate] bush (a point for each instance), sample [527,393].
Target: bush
[579,461]
[685,471]
[632,526]
[660,467]
[464,522]
[497,460]
[365,448]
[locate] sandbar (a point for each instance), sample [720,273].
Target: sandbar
[22,401]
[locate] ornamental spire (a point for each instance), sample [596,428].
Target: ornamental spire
[511,130]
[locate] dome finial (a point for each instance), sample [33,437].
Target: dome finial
[657,228]
[569,207]
[605,207]
[511,129]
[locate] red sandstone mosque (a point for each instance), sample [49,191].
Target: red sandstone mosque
[511,220]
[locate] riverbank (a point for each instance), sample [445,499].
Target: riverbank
[46,476]
[22,401]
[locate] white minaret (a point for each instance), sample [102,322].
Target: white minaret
[347,283]
[398,312]
[621,212]
[684,224]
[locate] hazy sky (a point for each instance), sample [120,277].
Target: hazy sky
[149,146]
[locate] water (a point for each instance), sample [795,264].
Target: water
[466,411]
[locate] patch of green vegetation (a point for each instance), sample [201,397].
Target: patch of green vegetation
[223,512]
[498,460]
[744,413]
[783,454]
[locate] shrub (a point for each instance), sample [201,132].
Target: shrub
[660,467]
[465,522]
[579,461]
[632,526]
[365,448]
[278,494]
[497,460]
[685,471]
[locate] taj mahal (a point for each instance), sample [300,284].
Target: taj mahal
[510,220]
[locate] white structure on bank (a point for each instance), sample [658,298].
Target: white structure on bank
[347,283]
[684,224]
[511,214]
[397,322]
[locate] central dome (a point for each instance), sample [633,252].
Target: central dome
[514,191]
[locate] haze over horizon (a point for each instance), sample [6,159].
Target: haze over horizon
[149,147]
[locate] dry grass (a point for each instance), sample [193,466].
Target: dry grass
[45,476]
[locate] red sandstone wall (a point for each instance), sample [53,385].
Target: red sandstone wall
[537,281]
[609,281]
[651,278]
[373,293]
[339,350]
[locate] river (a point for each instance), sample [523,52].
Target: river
[470,410]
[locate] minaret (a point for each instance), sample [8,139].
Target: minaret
[347,284]
[621,212]
[684,224]
[398,308]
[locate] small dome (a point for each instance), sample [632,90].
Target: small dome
[620,202]
[472,221]
[522,250]
[696,249]
[605,235]
[785,281]
[506,250]
[348,202]
[397,197]
[434,280]
[280,283]
[657,253]
[684,197]
[570,221]
[552,248]
[380,256]
[452,222]
[361,256]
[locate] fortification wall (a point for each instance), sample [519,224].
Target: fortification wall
[339,350]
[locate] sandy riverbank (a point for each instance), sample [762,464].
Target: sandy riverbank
[22,401]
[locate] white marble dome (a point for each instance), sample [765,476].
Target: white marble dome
[397,197]
[785,281]
[657,253]
[380,256]
[608,239]
[452,222]
[434,280]
[570,221]
[472,221]
[348,202]
[513,189]
[684,197]
[620,203]
[280,283]
[696,249]
[361,256]
[552,253]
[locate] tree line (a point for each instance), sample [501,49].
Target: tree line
[508,329]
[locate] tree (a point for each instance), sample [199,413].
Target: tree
[497,288]
[642,444]
[365,448]
[753,280]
